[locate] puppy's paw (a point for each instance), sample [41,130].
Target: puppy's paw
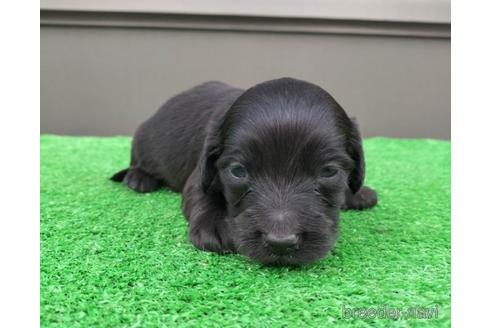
[141,181]
[364,198]
[213,236]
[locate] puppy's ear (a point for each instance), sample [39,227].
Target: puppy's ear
[355,151]
[211,152]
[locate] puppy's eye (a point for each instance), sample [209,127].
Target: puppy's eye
[328,172]
[238,171]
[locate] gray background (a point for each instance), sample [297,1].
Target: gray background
[105,70]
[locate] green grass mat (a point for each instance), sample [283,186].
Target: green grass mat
[114,258]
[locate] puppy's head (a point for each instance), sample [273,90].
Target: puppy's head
[282,159]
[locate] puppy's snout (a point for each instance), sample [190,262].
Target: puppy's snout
[281,244]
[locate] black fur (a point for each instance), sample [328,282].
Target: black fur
[264,172]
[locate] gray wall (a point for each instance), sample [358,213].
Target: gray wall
[103,75]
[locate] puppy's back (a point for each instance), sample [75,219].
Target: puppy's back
[168,144]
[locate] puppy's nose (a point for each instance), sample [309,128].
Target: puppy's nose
[281,244]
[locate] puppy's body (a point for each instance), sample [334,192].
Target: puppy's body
[166,147]
[263,172]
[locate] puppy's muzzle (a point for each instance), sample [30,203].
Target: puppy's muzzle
[281,244]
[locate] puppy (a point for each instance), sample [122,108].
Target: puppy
[264,172]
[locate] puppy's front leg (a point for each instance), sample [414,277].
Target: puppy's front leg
[208,228]
[364,198]
[210,234]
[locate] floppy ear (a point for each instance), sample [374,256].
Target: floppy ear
[354,149]
[212,150]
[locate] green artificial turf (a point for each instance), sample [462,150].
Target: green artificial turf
[113,258]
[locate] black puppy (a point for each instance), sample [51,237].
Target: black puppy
[264,172]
